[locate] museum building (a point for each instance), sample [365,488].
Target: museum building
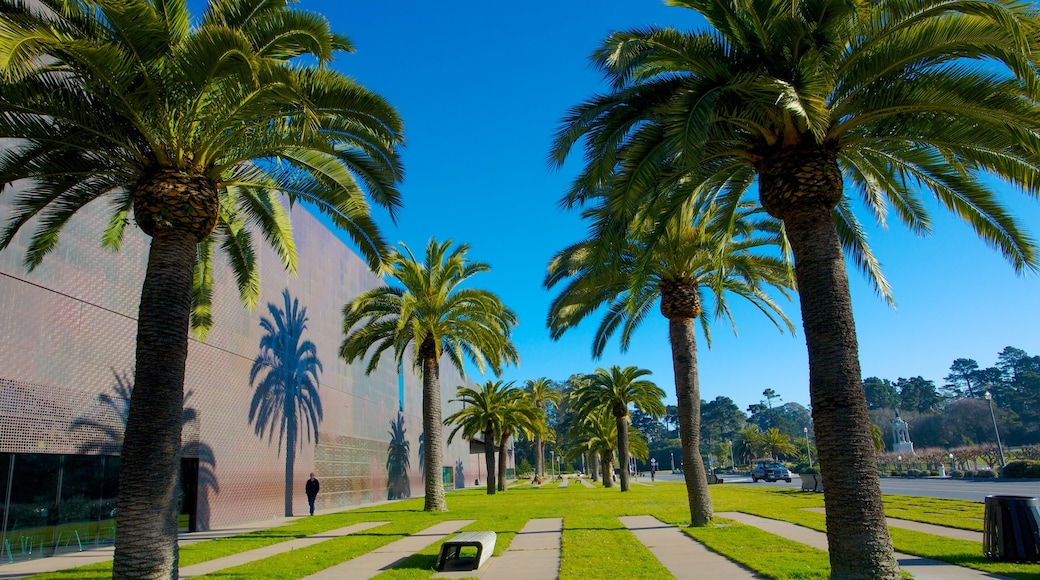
[66,373]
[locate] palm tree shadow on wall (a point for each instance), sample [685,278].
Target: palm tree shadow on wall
[397,461]
[460,475]
[285,376]
[108,421]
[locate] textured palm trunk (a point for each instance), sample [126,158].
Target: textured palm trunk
[432,434]
[802,188]
[539,461]
[688,397]
[290,457]
[608,471]
[489,460]
[149,486]
[622,436]
[502,463]
[594,466]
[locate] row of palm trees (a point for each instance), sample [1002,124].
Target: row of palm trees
[776,105]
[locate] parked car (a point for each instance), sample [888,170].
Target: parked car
[770,471]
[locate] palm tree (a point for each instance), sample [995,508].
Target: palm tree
[483,413]
[433,314]
[776,443]
[542,392]
[195,128]
[750,441]
[614,389]
[701,251]
[285,376]
[597,432]
[891,96]
[519,417]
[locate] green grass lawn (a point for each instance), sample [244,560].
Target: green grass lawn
[595,544]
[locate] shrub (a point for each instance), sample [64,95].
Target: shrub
[984,474]
[895,473]
[1022,470]
[957,474]
[933,473]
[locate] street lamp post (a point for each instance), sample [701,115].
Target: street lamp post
[552,464]
[672,455]
[807,450]
[953,466]
[900,458]
[1000,448]
[732,464]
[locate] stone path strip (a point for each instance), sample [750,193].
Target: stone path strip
[564,483]
[260,553]
[955,533]
[683,556]
[378,560]
[534,554]
[586,483]
[919,568]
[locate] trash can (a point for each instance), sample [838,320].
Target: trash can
[1011,528]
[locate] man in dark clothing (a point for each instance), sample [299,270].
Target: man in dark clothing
[312,491]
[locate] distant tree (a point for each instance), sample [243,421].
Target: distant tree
[651,428]
[791,419]
[483,413]
[778,444]
[543,394]
[880,393]
[519,417]
[918,394]
[720,419]
[1012,361]
[671,419]
[749,444]
[597,433]
[759,415]
[615,389]
[963,376]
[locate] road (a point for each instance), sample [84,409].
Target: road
[967,489]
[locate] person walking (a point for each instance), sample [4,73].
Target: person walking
[312,491]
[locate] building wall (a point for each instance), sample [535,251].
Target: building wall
[67,363]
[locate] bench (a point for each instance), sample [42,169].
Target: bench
[451,557]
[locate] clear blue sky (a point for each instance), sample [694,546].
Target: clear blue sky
[481,87]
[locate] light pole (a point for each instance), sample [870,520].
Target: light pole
[900,458]
[672,455]
[807,450]
[1000,448]
[953,466]
[732,464]
[552,463]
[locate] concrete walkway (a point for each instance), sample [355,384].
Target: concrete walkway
[680,554]
[261,553]
[955,533]
[919,568]
[564,483]
[378,560]
[534,554]
[587,483]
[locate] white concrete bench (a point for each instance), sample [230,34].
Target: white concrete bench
[452,558]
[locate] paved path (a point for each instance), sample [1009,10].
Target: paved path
[378,560]
[955,533]
[919,568]
[587,483]
[680,554]
[564,483]
[252,555]
[534,554]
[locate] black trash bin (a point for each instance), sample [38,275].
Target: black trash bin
[1011,530]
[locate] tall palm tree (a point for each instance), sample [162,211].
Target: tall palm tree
[483,413]
[702,251]
[891,96]
[776,443]
[285,376]
[615,389]
[195,128]
[433,312]
[543,393]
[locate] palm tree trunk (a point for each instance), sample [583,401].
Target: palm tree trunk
[608,471]
[290,458]
[622,436]
[860,546]
[149,486]
[489,460]
[539,461]
[594,466]
[502,463]
[432,436]
[688,396]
